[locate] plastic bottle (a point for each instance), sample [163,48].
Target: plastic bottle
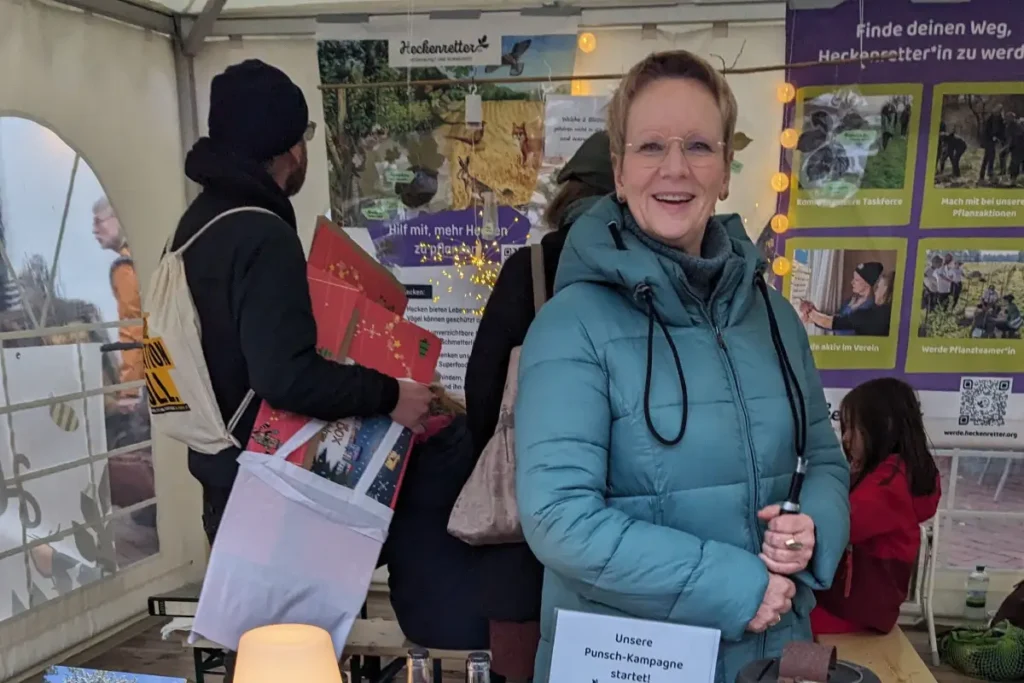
[418,667]
[977,594]
[478,667]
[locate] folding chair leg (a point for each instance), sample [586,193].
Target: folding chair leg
[200,666]
[929,592]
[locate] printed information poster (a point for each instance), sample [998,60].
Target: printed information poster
[855,157]
[440,200]
[975,153]
[966,310]
[906,206]
[848,295]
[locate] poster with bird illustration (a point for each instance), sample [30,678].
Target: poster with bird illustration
[441,196]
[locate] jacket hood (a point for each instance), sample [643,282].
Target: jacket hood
[244,181]
[577,209]
[598,250]
[924,506]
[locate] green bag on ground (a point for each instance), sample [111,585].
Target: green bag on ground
[991,654]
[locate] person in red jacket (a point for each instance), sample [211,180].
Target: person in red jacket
[895,486]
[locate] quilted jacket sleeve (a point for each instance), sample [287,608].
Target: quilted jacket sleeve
[563,425]
[825,497]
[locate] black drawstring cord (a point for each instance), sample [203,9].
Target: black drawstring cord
[789,378]
[642,292]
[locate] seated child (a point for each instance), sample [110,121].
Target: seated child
[430,572]
[894,487]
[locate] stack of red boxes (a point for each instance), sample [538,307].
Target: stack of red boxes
[358,305]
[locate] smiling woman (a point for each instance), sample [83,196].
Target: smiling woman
[636,496]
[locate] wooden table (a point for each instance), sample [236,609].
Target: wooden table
[892,657]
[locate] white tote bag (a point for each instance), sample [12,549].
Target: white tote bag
[181,401]
[292,547]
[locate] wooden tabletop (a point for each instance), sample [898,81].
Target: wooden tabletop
[891,657]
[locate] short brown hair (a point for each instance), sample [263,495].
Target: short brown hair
[570,192]
[668,64]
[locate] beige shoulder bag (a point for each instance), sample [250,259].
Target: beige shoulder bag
[486,512]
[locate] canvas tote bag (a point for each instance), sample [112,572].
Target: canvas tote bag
[486,512]
[181,401]
[292,547]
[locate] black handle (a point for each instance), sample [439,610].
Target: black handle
[120,346]
[791,506]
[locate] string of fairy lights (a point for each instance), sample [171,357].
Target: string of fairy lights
[788,138]
[478,263]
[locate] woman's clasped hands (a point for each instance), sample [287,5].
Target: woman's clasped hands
[787,549]
[778,600]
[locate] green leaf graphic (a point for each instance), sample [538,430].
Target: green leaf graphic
[90,511]
[85,543]
[17,606]
[103,489]
[36,596]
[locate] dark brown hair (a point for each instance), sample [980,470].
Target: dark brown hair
[887,415]
[569,193]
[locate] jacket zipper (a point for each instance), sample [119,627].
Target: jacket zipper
[754,524]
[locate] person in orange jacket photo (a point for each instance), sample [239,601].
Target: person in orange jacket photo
[124,283]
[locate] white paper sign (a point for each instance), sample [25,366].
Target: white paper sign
[568,121]
[465,44]
[602,649]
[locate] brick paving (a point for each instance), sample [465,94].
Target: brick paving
[968,541]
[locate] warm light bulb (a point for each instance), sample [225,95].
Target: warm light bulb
[287,652]
[785,92]
[780,223]
[781,266]
[587,42]
[789,137]
[780,181]
[580,88]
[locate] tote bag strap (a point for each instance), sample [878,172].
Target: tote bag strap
[540,284]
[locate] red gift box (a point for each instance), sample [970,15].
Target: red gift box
[351,327]
[337,255]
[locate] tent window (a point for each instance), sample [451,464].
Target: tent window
[77,499]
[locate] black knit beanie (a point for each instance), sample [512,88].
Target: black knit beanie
[256,111]
[870,271]
[591,164]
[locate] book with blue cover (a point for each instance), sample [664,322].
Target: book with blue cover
[71,674]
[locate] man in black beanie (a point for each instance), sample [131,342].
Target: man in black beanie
[247,275]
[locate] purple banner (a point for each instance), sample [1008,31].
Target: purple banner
[441,239]
[906,190]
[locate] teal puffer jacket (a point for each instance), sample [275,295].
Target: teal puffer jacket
[625,524]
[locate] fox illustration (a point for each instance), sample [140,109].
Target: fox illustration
[531,150]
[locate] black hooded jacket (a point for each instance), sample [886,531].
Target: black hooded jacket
[247,275]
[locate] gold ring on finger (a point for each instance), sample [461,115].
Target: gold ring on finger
[793,544]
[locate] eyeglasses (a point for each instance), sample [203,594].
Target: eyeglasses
[652,148]
[310,131]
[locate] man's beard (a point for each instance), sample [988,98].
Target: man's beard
[295,180]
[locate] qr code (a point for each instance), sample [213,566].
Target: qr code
[983,401]
[509,249]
